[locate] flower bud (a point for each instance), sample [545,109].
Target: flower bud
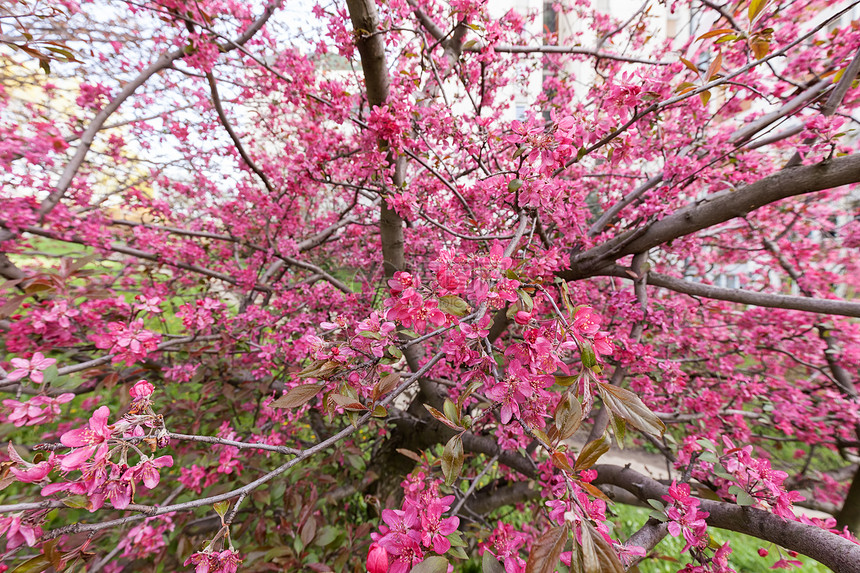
[141,390]
[377,559]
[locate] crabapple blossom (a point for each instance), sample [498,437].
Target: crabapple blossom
[31,368]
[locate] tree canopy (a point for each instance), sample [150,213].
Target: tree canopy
[374,286]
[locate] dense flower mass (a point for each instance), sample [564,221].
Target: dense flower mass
[386,285]
[418,527]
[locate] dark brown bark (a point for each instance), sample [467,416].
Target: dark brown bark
[849,515]
[715,209]
[831,550]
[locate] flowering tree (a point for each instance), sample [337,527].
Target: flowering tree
[288,287]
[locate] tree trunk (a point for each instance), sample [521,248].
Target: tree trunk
[849,515]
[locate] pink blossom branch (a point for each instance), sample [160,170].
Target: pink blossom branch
[511,49]
[119,248]
[89,134]
[107,357]
[305,454]
[712,84]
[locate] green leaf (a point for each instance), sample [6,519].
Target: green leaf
[37,564]
[489,564]
[656,504]
[298,396]
[707,444]
[76,501]
[565,381]
[452,459]
[221,508]
[379,411]
[51,373]
[586,351]
[525,300]
[743,498]
[546,551]
[514,185]
[433,564]
[458,553]
[755,8]
[453,304]
[326,535]
[456,539]
[451,411]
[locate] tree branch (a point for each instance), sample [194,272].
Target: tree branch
[219,109]
[715,209]
[770,300]
[834,551]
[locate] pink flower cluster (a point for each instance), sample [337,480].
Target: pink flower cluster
[756,477]
[93,96]
[409,307]
[685,517]
[505,543]
[18,530]
[719,563]
[226,561]
[410,531]
[92,447]
[37,410]
[201,315]
[147,538]
[130,343]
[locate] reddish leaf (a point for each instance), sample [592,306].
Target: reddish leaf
[629,407]
[717,32]
[298,396]
[442,418]
[546,551]
[591,453]
[714,68]
[690,65]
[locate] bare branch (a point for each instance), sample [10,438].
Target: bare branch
[770,300]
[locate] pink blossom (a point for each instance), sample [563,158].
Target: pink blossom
[35,473]
[226,561]
[141,390]
[38,410]
[18,531]
[87,441]
[147,469]
[32,368]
